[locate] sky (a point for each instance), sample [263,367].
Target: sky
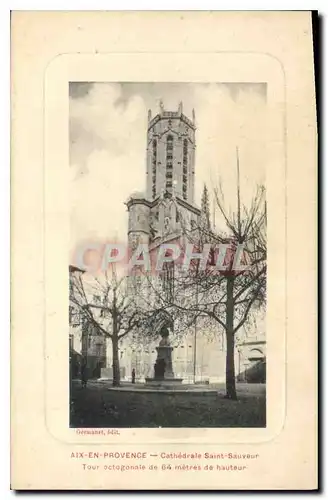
[108,131]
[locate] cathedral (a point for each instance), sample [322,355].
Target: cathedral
[156,216]
[161,215]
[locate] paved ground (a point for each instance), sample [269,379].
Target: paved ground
[96,406]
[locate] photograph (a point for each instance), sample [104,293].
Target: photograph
[168,256]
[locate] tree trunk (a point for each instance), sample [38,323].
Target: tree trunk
[230,356]
[116,362]
[230,367]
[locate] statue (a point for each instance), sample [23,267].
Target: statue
[167,225]
[163,371]
[163,365]
[165,337]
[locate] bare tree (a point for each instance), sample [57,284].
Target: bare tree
[228,297]
[106,302]
[243,291]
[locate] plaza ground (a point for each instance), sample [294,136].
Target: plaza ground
[97,406]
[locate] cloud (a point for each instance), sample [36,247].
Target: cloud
[224,124]
[108,126]
[107,161]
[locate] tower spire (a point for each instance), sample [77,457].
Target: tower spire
[205,209]
[171,154]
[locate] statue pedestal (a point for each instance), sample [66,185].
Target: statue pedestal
[166,383]
[163,370]
[164,355]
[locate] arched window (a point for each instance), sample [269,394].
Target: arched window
[185,169]
[169,161]
[256,355]
[154,162]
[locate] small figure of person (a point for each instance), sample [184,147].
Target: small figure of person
[84,375]
[133,376]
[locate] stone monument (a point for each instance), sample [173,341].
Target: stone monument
[163,371]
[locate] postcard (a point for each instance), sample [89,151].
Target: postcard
[163,300]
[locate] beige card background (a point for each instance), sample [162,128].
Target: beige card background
[51,49]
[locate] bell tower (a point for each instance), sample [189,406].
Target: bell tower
[171,154]
[167,208]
